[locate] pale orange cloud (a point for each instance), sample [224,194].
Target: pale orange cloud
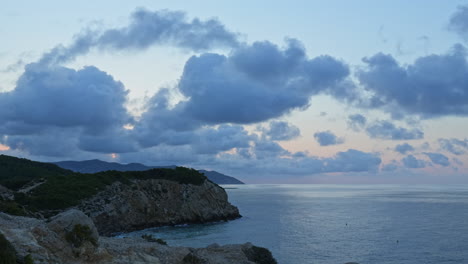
[4,148]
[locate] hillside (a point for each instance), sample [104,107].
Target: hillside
[220,178]
[93,166]
[44,186]
[16,172]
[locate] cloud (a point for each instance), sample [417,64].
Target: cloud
[387,130]
[438,158]
[63,97]
[57,111]
[281,130]
[393,166]
[257,82]
[352,161]
[147,28]
[327,138]
[403,148]
[453,145]
[433,86]
[413,163]
[356,122]
[223,138]
[459,22]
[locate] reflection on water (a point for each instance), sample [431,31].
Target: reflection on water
[341,223]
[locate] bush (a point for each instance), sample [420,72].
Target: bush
[7,251]
[12,208]
[28,259]
[79,235]
[150,238]
[190,258]
[260,255]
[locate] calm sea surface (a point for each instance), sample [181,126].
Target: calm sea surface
[340,223]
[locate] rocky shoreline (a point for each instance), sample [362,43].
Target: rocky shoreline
[56,216]
[71,237]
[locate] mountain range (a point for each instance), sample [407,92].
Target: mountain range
[93,166]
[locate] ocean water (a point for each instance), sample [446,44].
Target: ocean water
[341,223]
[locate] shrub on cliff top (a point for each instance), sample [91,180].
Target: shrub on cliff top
[79,235]
[7,251]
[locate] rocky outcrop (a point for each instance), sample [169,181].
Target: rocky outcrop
[6,194]
[56,241]
[149,203]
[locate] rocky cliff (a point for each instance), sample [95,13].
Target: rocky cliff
[154,202]
[72,238]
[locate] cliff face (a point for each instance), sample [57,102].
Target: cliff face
[148,203]
[60,241]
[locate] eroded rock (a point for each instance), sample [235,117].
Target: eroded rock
[149,203]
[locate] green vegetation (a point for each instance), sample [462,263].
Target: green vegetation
[7,251]
[190,258]
[16,172]
[150,238]
[260,255]
[63,188]
[11,207]
[79,235]
[28,259]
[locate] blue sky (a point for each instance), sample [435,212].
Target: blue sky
[270,91]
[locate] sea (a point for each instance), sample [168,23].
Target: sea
[335,224]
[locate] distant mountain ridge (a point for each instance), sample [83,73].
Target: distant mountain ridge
[93,166]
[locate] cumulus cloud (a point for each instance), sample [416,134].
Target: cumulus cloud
[147,28]
[412,162]
[403,148]
[63,97]
[257,82]
[438,158]
[434,85]
[356,122]
[327,138]
[453,145]
[281,130]
[387,130]
[223,138]
[459,22]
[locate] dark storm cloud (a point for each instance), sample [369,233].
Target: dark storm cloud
[258,82]
[147,28]
[403,148]
[412,162]
[327,138]
[459,22]
[434,85]
[356,122]
[438,158]
[453,145]
[387,130]
[281,130]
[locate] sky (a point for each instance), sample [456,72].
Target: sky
[269,92]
